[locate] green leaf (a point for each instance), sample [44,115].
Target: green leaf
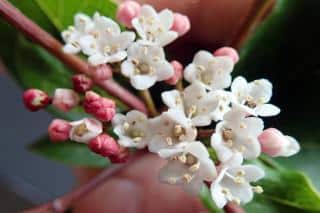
[61,12]
[70,153]
[207,201]
[287,187]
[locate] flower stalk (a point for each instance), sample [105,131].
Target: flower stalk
[44,39]
[146,96]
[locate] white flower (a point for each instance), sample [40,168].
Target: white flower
[237,133]
[84,130]
[224,99]
[233,183]
[188,165]
[194,101]
[254,95]
[132,129]
[106,43]
[145,65]
[153,27]
[82,25]
[170,129]
[212,72]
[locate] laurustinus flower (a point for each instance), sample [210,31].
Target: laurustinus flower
[237,134]
[81,83]
[229,52]
[105,43]
[102,108]
[65,99]
[127,11]
[181,24]
[212,72]
[188,165]
[35,99]
[178,71]
[59,130]
[146,65]
[254,96]
[84,130]
[233,182]
[132,129]
[104,145]
[275,144]
[101,72]
[154,28]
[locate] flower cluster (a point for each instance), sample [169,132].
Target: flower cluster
[233,116]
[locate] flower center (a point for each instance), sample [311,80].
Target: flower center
[81,130]
[142,68]
[109,49]
[228,136]
[134,133]
[178,131]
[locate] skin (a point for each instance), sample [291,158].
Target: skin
[215,23]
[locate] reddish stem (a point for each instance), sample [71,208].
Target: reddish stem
[63,203]
[32,31]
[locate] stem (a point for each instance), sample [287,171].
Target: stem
[65,202]
[258,13]
[146,96]
[32,31]
[179,85]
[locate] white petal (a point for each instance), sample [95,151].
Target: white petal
[107,26]
[239,88]
[88,45]
[252,126]
[166,38]
[156,144]
[127,68]
[253,173]
[142,82]
[172,99]
[118,119]
[267,110]
[164,70]
[166,18]
[201,120]
[97,59]
[173,169]
[197,149]
[71,49]
[260,90]
[125,39]
[190,73]
[193,188]
[119,56]
[202,58]
[252,148]
[148,11]
[292,147]
[241,191]
[217,195]
[138,27]
[166,153]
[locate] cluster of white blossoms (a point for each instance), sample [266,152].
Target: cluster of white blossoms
[205,102]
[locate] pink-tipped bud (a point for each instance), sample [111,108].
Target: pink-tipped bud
[122,157]
[102,108]
[274,143]
[65,99]
[59,130]
[35,99]
[127,11]
[178,71]
[104,145]
[101,72]
[181,24]
[81,83]
[227,51]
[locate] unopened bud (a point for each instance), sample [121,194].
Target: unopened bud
[122,157]
[181,24]
[81,83]
[178,71]
[59,130]
[35,99]
[65,99]
[227,51]
[104,145]
[127,11]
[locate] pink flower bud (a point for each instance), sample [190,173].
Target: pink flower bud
[101,72]
[122,157]
[35,99]
[227,51]
[59,130]
[181,24]
[65,99]
[104,145]
[81,83]
[127,11]
[102,108]
[178,71]
[274,143]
